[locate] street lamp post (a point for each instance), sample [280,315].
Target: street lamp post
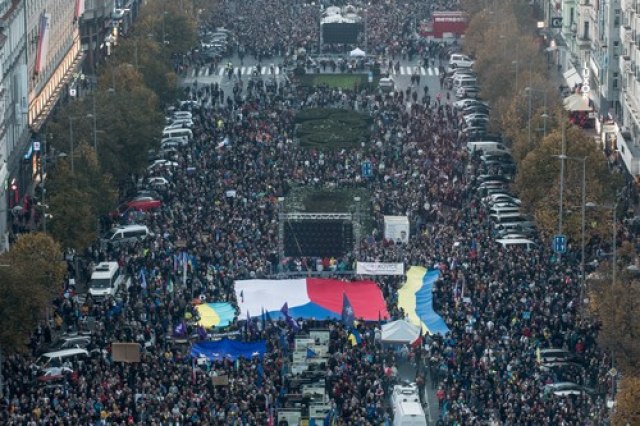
[529,91]
[95,123]
[583,204]
[562,159]
[71,142]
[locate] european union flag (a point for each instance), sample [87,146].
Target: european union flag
[348,316]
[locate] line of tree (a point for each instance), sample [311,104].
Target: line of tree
[133,86]
[527,108]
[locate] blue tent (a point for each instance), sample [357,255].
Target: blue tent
[228,349]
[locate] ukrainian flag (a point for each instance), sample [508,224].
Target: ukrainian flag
[354,337]
[415,297]
[215,314]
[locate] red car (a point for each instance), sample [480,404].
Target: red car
[138,204]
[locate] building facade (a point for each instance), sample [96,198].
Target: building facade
[628,136]
[13,106]
[598,49]
[54,53]
[96,30]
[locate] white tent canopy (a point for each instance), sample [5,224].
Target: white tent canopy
[400,331]
[357,53]
[576,102]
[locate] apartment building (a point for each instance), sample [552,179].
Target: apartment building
[54,53]
[598,48]
[13,105]
[97,30]
[628,140]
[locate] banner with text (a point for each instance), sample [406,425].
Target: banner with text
[379,268]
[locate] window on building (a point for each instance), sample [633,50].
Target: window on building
[585,32]
[571,16]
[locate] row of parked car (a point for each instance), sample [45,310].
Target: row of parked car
[495,169]
[495,165]
[216,44]
[150,191]
[461,78]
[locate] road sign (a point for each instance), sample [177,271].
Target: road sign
[556,22]
[367,169]
[613,372]
[560,244]
[36,146]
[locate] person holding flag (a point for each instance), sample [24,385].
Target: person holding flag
[348,316]
[292,323]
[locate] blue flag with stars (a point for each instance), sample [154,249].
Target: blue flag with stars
[348,316]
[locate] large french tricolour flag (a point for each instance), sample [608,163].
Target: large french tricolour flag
[310,298]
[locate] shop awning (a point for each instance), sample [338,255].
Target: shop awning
[576,102]
[572,77]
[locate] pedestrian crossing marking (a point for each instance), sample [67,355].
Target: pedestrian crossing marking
[275,70]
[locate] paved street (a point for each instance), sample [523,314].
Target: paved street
[273,69]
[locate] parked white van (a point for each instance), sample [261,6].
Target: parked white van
[517,242]
[464,81]
[60,358]
[182,115]
[487,146]
[177,133]
[125,234]
[106,280]
[460,61]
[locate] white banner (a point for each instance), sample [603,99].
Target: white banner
[396,228]
[378,268]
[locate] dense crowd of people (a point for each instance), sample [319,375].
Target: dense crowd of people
[268,28]
[220,215]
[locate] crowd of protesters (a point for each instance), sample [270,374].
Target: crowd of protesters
[268,28]
[220,216]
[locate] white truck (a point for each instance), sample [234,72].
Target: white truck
[407,409]
[106,281]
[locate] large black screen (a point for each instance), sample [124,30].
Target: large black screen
[340,33]
[318,238]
